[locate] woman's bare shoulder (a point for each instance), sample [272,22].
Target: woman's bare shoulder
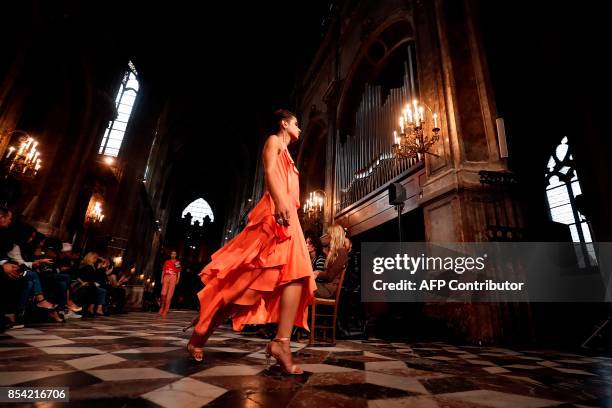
[273,141]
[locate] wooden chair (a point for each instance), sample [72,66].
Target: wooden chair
[331,303]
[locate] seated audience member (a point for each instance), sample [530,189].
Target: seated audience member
[22,253]
[315,250]
[12,283]
[337,257]
[116,290]
[89,290]
[55,282]
[67,261]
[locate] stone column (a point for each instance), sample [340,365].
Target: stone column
[454,82]
[68,144]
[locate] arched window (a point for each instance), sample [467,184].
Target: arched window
[198,210]
[561,191]
[124,102]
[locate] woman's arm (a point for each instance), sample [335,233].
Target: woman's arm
[15,255]
[320,263]
[271,151]
[319,266]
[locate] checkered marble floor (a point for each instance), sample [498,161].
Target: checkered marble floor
[140,360]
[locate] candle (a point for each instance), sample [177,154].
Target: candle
[401,123]
[395,137]
[421,114]
[21,149]
[11,150]
[409,115]
[435,117]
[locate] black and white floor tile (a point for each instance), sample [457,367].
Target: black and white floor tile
[140,360]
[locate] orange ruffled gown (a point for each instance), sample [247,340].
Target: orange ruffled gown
[251,269]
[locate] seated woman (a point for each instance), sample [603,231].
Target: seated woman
[337,257]
[55,282]
[22,254]
[115,288]
[90,290]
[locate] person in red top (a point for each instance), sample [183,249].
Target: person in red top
[170,277]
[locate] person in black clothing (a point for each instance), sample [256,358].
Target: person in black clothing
[67,261]
[54,284]
[116,289]
[90,290]
[101,265]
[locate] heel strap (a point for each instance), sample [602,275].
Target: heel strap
[281,339]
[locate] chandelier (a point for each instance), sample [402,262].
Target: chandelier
[313,207]
[23,161]
[413,140]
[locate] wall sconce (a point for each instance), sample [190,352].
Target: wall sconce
[94,213]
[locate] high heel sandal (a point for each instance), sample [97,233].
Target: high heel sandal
[193,323]
[198,340]
[55,317]
[74,308]
[194,347]
[284,359]
[51,306]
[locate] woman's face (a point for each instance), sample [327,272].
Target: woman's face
[293,129]
[310,246]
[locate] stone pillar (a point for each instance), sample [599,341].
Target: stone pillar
[13,95]
[454,82]
[72,129]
